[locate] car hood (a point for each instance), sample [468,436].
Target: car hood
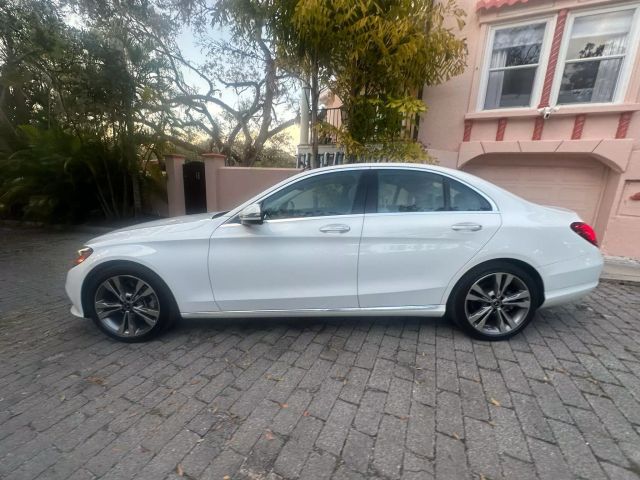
[161,229]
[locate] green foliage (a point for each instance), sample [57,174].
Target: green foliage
[72,106]
[53,178]
[377,55]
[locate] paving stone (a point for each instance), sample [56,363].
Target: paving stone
[325,397]
[319,466]
[358,450]
[508,432]
[513,377]
[421,430]
[618,473]
[388,450]
[424,387]
[225,465]
[567,390]
[294,454]
[482,450]
[449,415]
[451,461]
[289,412]
[548,460]
[381,375]
[531,417]
[474,403]
[447,375]
[336,428]
[370,412]
[514,468]
[254,426]
[613,420]
[576,451]
[345,473]
[399,397]
[549,401]
[594,432]
[353,389]
[495,388]
[417,467]
[625,402]
[597,370]
[485,357]
[167,459]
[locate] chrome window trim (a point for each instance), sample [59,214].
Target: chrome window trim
[494,206]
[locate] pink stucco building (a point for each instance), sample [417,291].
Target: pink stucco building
[547,108]
[575,63]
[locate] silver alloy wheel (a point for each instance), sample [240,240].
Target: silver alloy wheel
[497,303]
[127,305]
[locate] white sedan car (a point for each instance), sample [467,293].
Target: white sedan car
[364,239]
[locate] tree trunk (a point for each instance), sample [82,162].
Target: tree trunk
[315,94]
[137,197]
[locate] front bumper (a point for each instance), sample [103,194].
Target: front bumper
[73,287]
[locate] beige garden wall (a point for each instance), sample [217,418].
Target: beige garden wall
[234,185]
[227,187]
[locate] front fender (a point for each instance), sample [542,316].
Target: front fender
[181,264]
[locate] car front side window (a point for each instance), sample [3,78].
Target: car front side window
[322,195]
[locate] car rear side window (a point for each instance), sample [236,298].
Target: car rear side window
[322,195]
[464,199]
[405,191]
[410,191]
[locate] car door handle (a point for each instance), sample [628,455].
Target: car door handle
[335,228]
[466,227]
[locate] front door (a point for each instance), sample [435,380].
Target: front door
[420,228]
[303,256]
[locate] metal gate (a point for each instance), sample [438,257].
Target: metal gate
[195,187]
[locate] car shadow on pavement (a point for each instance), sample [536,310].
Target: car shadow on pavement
[205,325]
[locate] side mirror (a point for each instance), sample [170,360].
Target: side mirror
[251,215]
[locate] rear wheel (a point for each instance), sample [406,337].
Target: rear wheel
[495,301]
[129,303]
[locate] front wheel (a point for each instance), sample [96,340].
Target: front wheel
[129,303]
[494,302]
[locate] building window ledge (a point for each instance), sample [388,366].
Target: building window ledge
[563,110]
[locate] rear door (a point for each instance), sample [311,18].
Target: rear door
[420,228]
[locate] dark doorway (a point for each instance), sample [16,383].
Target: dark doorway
[195,188]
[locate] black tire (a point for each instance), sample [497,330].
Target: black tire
[460,307]
[129,273]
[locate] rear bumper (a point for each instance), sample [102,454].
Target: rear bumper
[570,280]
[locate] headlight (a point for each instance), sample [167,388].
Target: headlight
[83,254]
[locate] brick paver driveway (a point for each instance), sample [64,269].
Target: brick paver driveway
[313,399]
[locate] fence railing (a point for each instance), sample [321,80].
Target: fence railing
[324,159]
[327,159]
[335,117]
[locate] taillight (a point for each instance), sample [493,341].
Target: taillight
[585,231]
